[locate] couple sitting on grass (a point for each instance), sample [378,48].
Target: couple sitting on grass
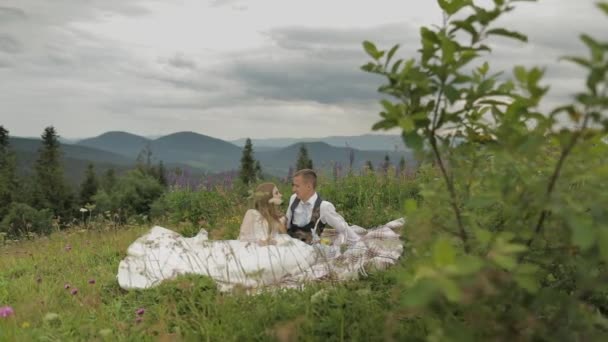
[273,250]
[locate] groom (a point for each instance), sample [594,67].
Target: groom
[307,210]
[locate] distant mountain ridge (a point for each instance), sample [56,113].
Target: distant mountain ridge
[366,142]
[216,155]
[200,153]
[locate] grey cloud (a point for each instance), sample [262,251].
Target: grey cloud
[326,82]
[8,14]
[318,64]
[9,44]
[182,62]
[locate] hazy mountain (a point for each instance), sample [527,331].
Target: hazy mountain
[372,142]
[72,151]
[324,156]
[122,143]
[75,159]
[205,153]
[197,150]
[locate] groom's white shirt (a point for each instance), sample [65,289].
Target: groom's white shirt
[329,216]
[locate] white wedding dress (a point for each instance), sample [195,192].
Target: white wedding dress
[163,254]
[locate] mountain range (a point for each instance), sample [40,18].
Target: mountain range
[203,154]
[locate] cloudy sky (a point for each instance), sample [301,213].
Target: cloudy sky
[232,68]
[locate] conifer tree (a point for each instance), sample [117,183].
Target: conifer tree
[247,172]
[8,178]
[109,180]
[386,164]
[303,162]
[89,186]
[162,174]
[402,165]
[51,190]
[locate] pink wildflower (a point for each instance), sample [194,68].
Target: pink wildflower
[6,311]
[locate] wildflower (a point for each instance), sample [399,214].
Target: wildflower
[66,286]
[6,311]
[74,291]
[25,325]
[139,320]
[140,311]
[91,281]
[68,248]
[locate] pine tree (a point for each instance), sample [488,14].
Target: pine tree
[247,172]
[402,165]
[258,170]
[162,174]
[303,162]
[89,186]
[51,190]
[386,164]
[289,174]
[8,178]
[109,180]
[144,161]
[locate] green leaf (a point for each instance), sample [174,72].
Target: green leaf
[412,140]
[513,248]
[483,236]
[583,235]
[369,67]
[371,50]
[483,70]
[451,93]
[390,54]
[603,6]
[578,60]
[450,289]
[596,48]
[443,253]
[464,25]
[465,265]
[521,74]
[420,294]
[504,261]
[527,282]
[453,6]
[384,124]
[407,124]
[509,34]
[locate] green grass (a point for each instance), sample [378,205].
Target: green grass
[33,275]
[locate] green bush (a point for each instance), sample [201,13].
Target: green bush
[509,238]
[22,219]
[370,199]
[133,195]
[196,207]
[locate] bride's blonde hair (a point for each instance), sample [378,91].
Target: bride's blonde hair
[270,211]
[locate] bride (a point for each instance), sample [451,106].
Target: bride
[263,256]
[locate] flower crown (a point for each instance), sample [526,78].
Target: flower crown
[260,194]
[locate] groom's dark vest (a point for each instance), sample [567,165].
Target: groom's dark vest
[305,233]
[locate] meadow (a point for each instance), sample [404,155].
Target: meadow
[63,286]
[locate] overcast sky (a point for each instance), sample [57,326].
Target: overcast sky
[232,69]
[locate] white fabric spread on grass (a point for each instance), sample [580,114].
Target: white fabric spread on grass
[163,254]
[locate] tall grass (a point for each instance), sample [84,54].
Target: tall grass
[63,286]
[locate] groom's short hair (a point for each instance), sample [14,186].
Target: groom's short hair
[308,175]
